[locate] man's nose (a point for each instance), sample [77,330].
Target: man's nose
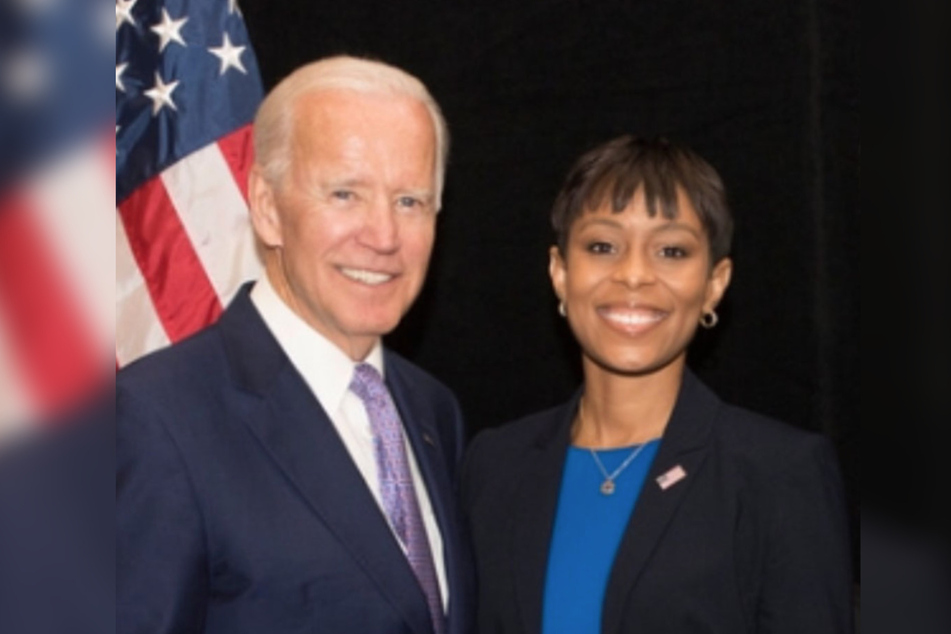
[381,230]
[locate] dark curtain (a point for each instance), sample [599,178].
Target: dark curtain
[768,92]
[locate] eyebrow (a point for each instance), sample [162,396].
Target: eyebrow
[679,226]
[600,221]
[336,183]
[670,225]
[426,195]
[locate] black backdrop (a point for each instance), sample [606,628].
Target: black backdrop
[768,92]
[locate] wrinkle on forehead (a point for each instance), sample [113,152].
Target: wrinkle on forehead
[350,135]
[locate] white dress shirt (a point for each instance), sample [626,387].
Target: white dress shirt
[327,370]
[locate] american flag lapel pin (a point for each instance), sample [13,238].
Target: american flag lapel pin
[671,477]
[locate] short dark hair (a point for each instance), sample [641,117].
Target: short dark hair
[615,170]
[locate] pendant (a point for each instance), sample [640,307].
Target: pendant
[607,487]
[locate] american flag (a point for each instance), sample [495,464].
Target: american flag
[56,160]
[671,477]
[187,86]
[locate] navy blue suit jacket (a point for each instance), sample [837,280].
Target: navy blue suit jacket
[752,540]
[240,510]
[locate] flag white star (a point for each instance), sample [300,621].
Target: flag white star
[120,68]
[100,24]
[124,12]
[233,7]
[169,30]
[229,54]
[26,75]
[39,6]
[161,94]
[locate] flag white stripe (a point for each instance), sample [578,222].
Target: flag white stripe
[138,328]
[215,217]
[74,199]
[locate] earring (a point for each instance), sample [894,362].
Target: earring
[709,319]
[561,308]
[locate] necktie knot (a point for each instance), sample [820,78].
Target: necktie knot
[368,385]
[367,382]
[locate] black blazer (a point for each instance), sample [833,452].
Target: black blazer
[240,509]
[753,539]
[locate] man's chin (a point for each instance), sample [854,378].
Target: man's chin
[373,326]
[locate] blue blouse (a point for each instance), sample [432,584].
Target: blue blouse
[586,535]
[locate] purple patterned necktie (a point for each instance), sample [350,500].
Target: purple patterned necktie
[396,483]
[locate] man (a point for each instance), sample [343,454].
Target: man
[259,486]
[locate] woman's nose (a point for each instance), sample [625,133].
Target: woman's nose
[635,268]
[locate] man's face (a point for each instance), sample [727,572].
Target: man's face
[351,224]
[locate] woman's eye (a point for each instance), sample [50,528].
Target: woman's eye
[600,247]
[673,252]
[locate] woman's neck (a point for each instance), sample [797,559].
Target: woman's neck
[621,410]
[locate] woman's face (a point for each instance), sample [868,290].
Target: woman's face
[635,286]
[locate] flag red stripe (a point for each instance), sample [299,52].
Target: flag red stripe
[238,150]
[184,297]
[53,346]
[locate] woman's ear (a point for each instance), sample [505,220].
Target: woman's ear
[718,283]
[556,270]
[265,217]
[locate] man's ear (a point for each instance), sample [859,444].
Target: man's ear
[263,209]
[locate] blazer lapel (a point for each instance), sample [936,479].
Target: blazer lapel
[422,431]
[679,458]
[539,486]
[437,453]
[294,430]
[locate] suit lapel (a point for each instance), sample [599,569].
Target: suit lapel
[538,490]
[420,426]
[682,449]
[294,430]
[422,431]
[437,446]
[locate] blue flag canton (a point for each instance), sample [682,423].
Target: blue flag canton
[186,75]
[52,57]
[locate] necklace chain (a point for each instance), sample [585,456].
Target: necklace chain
[607,486]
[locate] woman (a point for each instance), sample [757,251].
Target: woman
[645,503]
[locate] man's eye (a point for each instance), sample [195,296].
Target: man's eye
[408,202]
[600,247]
[673,252]
[342,194]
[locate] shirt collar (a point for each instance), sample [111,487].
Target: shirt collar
[326,369]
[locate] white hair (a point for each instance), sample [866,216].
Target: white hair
[273,123]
